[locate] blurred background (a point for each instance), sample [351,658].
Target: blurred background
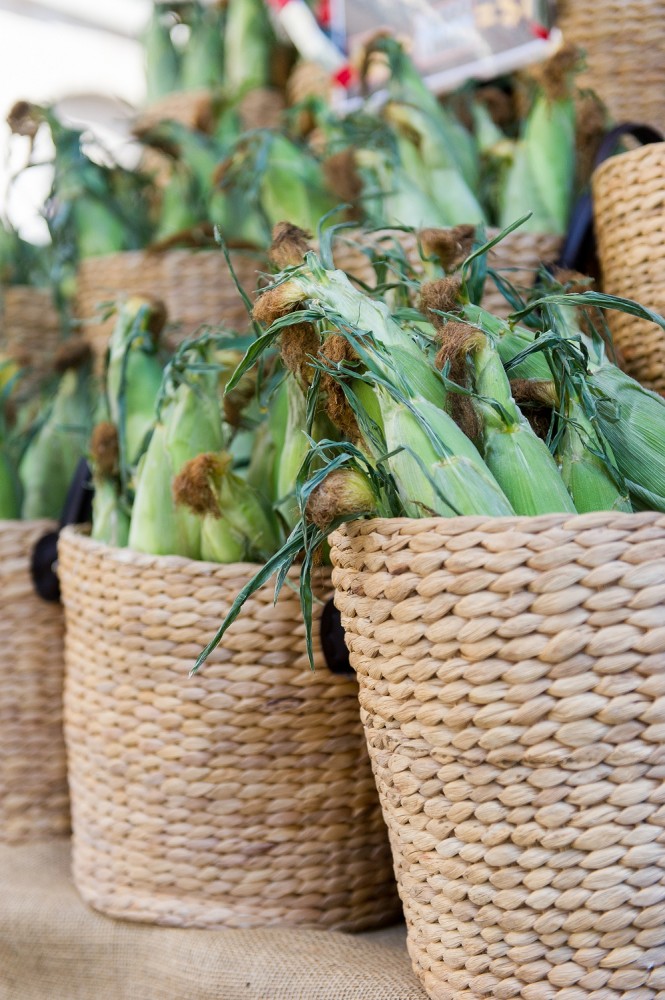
[88,59]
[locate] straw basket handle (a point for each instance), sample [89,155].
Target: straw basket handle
[580,236]
[77,510]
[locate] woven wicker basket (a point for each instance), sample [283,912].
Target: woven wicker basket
[629,219]
[192,108]
[261,108]
[308,79]
[33,773]
[195,286]
[30,323]
[518,257]
[623,41]
[242,796]
[512,685]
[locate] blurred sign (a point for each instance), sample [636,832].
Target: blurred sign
[452,40]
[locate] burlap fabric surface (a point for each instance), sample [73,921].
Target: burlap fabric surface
[52,947]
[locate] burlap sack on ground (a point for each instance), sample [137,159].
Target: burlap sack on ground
[52,947]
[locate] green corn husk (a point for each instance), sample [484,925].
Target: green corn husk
[440,472]
[10,489]
[156,526]
[180,207]
[189,424]
[391,195]
[162,63]
[586,475]
[519,460]
[110,522]
[248,44]
[133,376]
[632,420]
[203,58]
[50,460]
[292,453]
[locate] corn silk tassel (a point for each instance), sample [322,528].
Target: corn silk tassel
[237,524]
[110,519]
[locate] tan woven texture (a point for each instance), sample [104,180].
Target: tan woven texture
[517,258]
[261,108]
[242,796]
[52,947]
[629,218]
[512,684]
[307,79]
[33,772]
[195,285]
[623,41]
[29,322]
[192,108]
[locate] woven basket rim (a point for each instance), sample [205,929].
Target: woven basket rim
[79,534]
[629,155]
[151,252]
[469,522]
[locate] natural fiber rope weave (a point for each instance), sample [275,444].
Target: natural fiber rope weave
[242,796]
[512,684]
[629,217]
[33,771]
[30,322]
[623,41]
[517,257]
[195,285]
[308,79]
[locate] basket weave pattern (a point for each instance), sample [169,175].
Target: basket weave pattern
[629,216]
[517,257]
[623,41]
[33,772]
[242,796]
[512,684]
[30,323]
[195,286]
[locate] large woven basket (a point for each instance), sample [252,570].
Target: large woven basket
[518,258]
[29,323]
[629,219]
[623,41]
[241,796]
[195,285]
[512,684]
[33,772]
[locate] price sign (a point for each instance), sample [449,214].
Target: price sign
[452,41]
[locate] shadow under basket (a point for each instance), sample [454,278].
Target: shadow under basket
[242,796]
[33,771]
[512,688]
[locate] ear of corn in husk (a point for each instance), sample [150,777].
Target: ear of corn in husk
[189,423]
[236,526]
[162,63]
[134,375]
[203,58]
[50,460]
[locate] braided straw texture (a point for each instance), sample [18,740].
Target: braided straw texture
[243,796]
[623,41]
[308,79]
[261,108]
[33,770]
[195,286]
[512,687]
[517,257]
[629,217]
[192,108]
[30,323]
